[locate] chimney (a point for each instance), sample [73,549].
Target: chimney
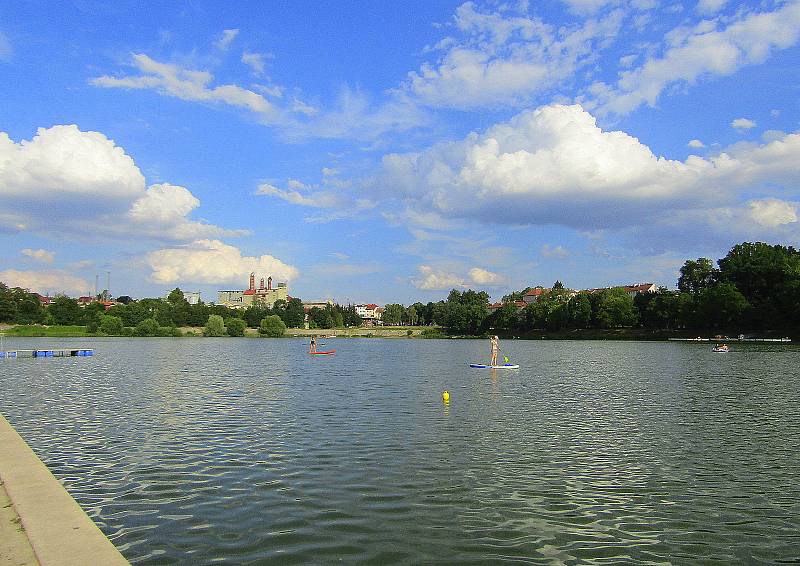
[262,284]
[252,281]
[269,282]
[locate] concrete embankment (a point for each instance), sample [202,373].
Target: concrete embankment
[56,530]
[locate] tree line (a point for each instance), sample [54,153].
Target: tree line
[754,288]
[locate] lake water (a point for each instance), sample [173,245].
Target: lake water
[192,451]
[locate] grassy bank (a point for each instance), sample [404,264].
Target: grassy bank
[34,330]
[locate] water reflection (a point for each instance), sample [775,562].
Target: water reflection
[193,451]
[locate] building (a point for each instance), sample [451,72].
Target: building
[308,305]
[192,297]
[264,296]
[370,313]
[632,290]
[534,295]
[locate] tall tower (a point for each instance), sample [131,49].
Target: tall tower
[252,281]
[269,282]
[261,286]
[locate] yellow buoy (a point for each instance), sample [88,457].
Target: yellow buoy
[446,396]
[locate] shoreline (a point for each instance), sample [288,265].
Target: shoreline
[418,332]
[57,530]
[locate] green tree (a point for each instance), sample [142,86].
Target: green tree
[215,326]
[393,314]
[235,326]
[176,296]
[8,306]
[505,318]
[696,275]
[615,308]
[295,314]
[722,306]
[65,311]
[147,327]
[111,325]
[272,326]
[580,311]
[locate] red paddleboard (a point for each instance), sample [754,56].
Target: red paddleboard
[328,353]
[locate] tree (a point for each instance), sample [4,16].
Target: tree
[615,308]
[393,314]
[235,326]
[696,275]
[722,306]
[147,327]
[65,311]
[505,318]
[8,307]
[410,316]
[215,326]
[111,325]
[272,327]
[295,314]
[176,296]
[580,311]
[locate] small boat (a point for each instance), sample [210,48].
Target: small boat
[721,349]
[327,353]
[486,366]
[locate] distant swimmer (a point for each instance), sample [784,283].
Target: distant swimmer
[312,347]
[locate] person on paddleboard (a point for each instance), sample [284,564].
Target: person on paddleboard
[312,347]
[495,341]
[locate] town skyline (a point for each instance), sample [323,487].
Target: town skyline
[388,154]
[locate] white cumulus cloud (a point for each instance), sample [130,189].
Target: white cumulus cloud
[555,165]
[480,276]
[697,144]
[213,261]
[50,282]
[44,256]
[91,186]
[314,199]
[431,279]
[773,212]
[255,61]
[743,124]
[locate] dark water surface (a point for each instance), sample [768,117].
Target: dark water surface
[242,451]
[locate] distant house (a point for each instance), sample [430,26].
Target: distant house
[494,307]
[370,313]
[85,300]
[44,301]
[534,295]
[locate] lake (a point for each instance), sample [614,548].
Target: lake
[239,451]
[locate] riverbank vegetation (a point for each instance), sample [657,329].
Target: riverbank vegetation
[755,288]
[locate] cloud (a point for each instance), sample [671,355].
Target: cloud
[39,255]
[503,59]
[554,165]
[587,6]
[434,280]
[772,212]
[255,61]
[64,163]
[340,256]
[710,7]
[172,80]
[554,252]
[485,278]
[46,282]
[697,144]
[91,187]
[703,51]
[317,199]
[213,262]
[743,124]
[224,42]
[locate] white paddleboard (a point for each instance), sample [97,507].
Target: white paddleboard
[504,366]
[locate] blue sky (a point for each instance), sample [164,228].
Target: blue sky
[370,152]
